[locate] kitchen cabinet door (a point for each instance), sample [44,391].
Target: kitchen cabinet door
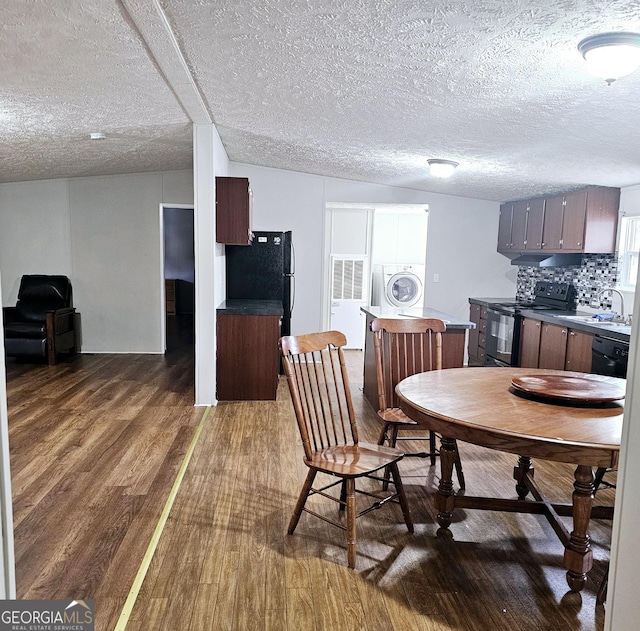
[601,226]
[478,315]
[529,343]
[248,359]
[535,224]
[553,347]
[519,214]
[233,210]
[578,351]
[552,230]
[504,228]
[573,221]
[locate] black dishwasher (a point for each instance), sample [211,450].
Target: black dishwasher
[609,356]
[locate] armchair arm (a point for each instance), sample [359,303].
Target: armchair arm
[61,332]
[60,321]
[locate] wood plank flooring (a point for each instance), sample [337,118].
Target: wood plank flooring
[95,446]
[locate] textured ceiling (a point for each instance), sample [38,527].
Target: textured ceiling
[361,89]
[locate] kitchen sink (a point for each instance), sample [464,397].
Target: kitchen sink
[593,321]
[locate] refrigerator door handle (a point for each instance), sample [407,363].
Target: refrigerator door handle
[292,299]
[293,259]
[293,276]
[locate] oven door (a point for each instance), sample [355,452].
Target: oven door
[499,342]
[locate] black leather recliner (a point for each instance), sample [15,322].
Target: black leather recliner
[43,322]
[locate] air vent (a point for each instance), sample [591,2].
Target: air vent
[348,277]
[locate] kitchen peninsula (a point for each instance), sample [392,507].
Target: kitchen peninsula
[453,341]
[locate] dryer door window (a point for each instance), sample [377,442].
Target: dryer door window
[404,290]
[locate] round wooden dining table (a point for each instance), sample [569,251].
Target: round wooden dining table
[575,423]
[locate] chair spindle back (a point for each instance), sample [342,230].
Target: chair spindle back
[317,376]
[404,347]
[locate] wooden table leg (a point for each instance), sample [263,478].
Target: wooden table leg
[520,473]
[445,499]
[578,556]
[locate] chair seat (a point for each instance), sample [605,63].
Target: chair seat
[30,330]
[352,461]
[395,415]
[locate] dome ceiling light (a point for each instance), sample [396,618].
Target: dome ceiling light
[442,168]
[611,55]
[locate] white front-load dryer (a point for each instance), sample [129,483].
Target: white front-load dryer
[403,284]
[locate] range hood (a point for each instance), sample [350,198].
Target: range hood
[534,259]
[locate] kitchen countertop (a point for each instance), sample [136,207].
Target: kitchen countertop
[251,307]
[551,316]
[487,301]
[388,311]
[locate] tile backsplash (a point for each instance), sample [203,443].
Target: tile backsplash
[597,272]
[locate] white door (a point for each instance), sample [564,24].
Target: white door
[348,289]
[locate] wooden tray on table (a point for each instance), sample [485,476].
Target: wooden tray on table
[572,387]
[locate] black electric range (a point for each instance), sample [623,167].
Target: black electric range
[547,296]
[502,342]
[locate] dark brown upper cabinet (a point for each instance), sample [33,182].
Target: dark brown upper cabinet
[520,227]
[580,221]
[234,203]
[504,227]
[552,224]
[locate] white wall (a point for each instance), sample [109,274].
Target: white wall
[104,233]
[461,250]
[35,232]
[115,234]
[462,237]
[210,160]
[7,549]
[623,605]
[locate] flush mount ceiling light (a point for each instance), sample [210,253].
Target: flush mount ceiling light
[442,168]
[96,135]
[611,55]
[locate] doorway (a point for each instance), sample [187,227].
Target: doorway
[370,246]
[178,277]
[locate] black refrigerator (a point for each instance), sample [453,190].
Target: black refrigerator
[263,270]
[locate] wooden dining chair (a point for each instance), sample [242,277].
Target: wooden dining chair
[317,376]
[404,347]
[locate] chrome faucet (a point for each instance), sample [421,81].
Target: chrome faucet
[617,291]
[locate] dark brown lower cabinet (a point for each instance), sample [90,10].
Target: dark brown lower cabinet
[553,347]
[529,343]
[248,360]
[477,336]
[545,345]
[579,351]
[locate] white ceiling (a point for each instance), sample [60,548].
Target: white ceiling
[360,89]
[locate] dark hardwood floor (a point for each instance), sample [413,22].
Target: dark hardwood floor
[95,446]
